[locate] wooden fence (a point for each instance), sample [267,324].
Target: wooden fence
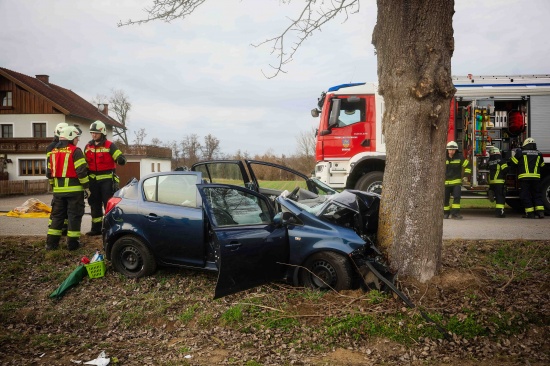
[25,187]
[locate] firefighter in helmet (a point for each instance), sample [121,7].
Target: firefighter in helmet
[102,156]
[529,162]
[497,178]
[56,132]
[454,164]
[69,171]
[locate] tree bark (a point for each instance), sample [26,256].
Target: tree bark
[414,43]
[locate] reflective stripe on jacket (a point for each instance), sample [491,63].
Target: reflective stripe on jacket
[453,169]
[67,167]
[102,159]
[497,169]
[528,162]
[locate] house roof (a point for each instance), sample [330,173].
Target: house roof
[68,102]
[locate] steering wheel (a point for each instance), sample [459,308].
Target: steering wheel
[294,194]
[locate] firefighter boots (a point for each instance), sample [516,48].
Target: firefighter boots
[499,212]
[540,215]
[96,229]
[52,242]
[529,215]
[456,216]
[446,216]
[73,244]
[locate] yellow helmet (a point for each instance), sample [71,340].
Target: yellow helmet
[98,127]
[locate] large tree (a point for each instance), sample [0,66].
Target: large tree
[414,43]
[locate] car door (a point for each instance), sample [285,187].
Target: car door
[172,218]
[252,249]
[225,172]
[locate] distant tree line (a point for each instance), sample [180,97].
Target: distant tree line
[191,149]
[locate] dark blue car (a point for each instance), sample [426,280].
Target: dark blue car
[249,234]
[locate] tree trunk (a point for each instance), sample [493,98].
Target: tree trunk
[414,43]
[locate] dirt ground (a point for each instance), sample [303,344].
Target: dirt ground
[491,296]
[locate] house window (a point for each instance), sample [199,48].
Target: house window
[153,167]
[158,167]
[29,167]
[5,99]
[7,131]
[39,129]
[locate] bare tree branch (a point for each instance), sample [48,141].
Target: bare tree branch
[312,17]
[166,10]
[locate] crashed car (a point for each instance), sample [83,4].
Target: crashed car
[250,236]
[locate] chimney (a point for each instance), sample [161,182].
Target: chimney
[103,108]
[43,78]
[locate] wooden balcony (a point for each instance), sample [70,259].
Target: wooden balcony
[24,145]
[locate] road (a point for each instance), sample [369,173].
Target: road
[477,223]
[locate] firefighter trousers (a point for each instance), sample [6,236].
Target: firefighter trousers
[531,195]
[456,192]
[100,192]
[68,205]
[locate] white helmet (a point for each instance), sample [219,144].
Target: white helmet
[70,133]
[494,151]
[98,127]
[451,145]
[59,128]
[528,141]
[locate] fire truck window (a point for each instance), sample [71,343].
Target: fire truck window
[351,112]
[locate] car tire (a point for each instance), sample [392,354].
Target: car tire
[370,182]
[327,270]
[131,257]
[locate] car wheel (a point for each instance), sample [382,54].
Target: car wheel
[327,270]
[370,182]
[131,257]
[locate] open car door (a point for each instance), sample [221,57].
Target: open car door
[252,250]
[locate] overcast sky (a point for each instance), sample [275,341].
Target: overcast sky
[201,75]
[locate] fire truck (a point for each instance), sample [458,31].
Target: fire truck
[486,111]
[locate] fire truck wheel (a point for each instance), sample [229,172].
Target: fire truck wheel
[545,188]
[370,182]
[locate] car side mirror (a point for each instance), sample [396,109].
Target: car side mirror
[334,113]
[285,218]
[314,112]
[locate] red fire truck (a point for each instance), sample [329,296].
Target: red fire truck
[486,111]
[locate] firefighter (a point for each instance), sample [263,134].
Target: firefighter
[497,177]
[69,171]
[49,148]
[102,156]
[529,162]
[453,180]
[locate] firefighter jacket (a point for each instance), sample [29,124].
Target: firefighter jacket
[497,169]
[67,168]
[49,149]
[453,169]
[529,161]
[102,158]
